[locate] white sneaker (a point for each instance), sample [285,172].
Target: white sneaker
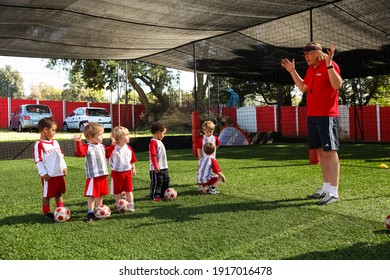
[318,194]
[328,199]
[132,208]
[213,191]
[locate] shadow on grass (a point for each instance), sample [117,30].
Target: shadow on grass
[34,218]
[357,251]
[37,218]
[273,166]
[171,211]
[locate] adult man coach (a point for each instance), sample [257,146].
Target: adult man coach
[321,83]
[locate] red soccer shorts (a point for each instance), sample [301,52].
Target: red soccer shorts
[53,187]
[121,181]
[96,187]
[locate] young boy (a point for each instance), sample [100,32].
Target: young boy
[159,177]
[51,165]
[122,162]
[95,166]
[208,128]
[208,165]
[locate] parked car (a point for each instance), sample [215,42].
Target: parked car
[81,116]
[27,116]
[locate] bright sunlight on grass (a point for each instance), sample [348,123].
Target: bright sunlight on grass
[261,212]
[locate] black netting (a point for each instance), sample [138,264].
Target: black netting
[358,29]
[242,39]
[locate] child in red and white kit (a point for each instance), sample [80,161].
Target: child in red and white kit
[122,162]
[209,172]
[208,128]
[158,163]
[96,170]
[51,165]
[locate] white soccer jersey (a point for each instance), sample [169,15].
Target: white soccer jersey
[49,158]
[212,139]
[157,155]
[122,158]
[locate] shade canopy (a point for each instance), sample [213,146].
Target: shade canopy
[239,39]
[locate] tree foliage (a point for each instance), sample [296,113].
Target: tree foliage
[251,92]
[365,91]
[140,76]
[11,83]
[105,75]
[45,92]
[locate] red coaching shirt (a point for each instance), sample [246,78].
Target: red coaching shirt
[322,98]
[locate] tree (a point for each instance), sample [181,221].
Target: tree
[11,83]
[76,90]
[202,86]
[252,92]
[157,78]
[365,90]
[103,75]
[45,92]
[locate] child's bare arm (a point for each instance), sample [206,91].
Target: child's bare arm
[199,153]
[220,175]
[77,137]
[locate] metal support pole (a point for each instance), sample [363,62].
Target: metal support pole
[195,76]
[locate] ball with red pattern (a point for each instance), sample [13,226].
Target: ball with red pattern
[204,189]
[102,212]
[170,194]
[122,205]
[387,222]
[61,214]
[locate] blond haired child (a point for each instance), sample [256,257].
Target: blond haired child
[208,128]
[49,159]
[122,162]
[96,170]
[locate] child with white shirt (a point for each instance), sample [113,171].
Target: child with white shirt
[159,177]
[122,162]
[49,159]
[208,128]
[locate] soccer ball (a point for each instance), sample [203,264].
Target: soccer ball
[170,194]
[62,214]
[387,223]
[204,189]
[122,205]
[102,212]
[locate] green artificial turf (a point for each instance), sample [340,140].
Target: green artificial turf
[261,211]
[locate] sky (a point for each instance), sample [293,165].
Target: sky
[34,72]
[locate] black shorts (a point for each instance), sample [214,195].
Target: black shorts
[323,132]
